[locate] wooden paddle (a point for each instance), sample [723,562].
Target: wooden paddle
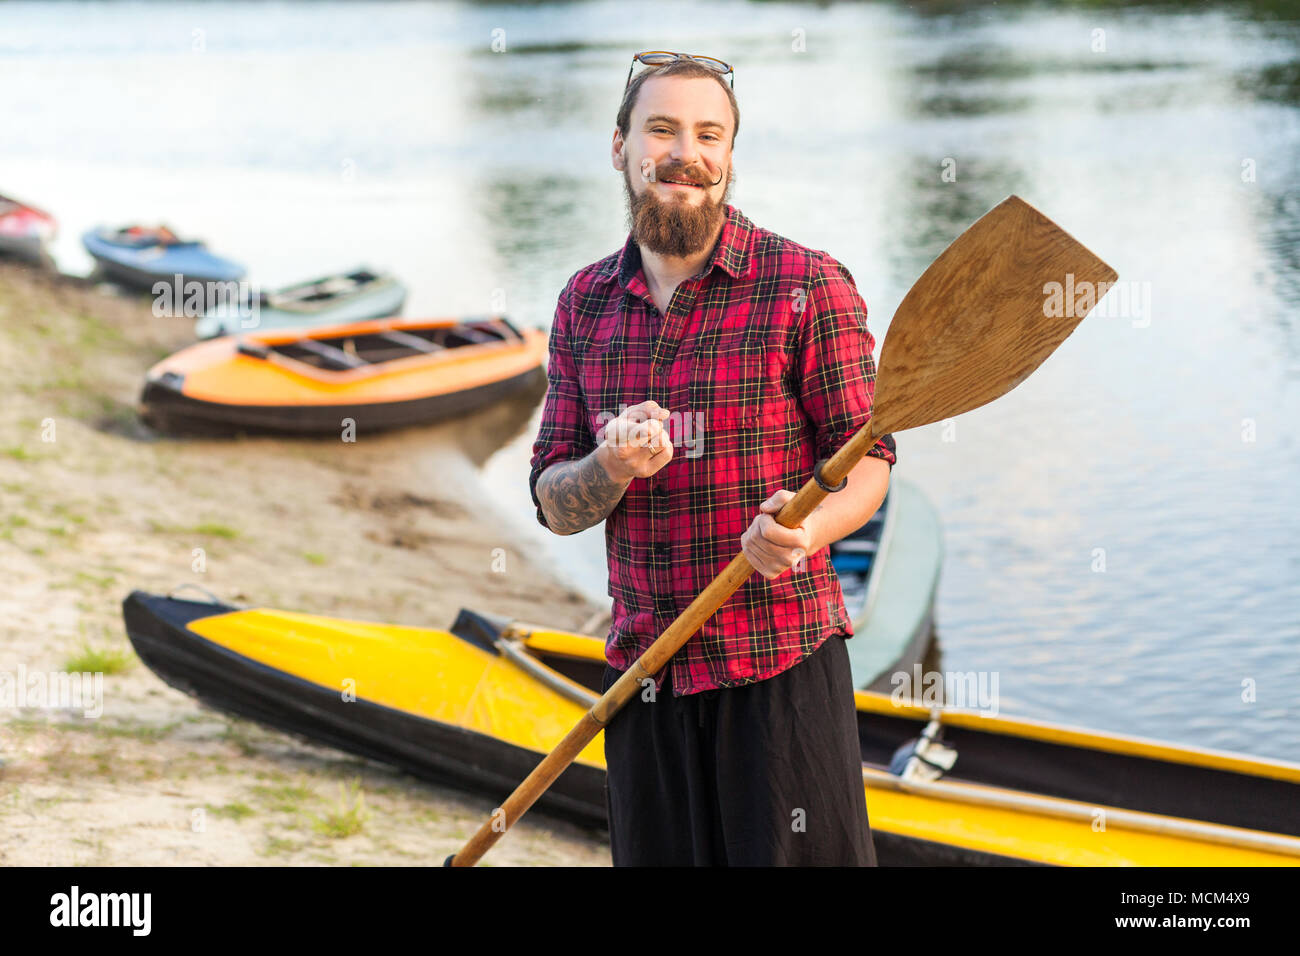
[974,326]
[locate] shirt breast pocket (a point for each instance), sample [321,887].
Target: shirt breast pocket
[736,387]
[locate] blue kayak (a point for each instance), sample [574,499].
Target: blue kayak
[140,257]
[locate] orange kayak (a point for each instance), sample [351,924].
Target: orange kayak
[383,373]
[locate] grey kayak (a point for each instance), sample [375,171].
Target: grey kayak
[333,300]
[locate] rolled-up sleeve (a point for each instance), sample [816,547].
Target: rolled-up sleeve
[837,372]
[563,434]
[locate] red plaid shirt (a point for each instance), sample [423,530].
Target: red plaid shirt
[764,361]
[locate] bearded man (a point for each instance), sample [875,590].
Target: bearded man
[695,377]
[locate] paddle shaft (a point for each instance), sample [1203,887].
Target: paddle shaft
[655,657]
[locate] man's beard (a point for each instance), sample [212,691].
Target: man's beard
[674,228]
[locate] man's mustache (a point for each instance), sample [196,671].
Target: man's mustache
[681,175]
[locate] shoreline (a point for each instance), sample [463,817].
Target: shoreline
[380,530]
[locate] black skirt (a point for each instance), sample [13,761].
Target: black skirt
[767,774]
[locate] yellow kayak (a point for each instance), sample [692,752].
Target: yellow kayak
[477,706]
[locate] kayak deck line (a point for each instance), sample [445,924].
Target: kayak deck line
[412,341]
[515,651]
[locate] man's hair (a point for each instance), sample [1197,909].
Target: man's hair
[687,69]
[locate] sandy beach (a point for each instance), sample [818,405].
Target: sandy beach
[93,505]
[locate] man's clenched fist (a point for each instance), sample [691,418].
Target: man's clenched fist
[636,443]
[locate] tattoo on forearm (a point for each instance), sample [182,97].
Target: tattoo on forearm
[578,494]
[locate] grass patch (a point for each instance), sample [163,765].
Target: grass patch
[210,528]
[25,725]
[66,761]
[95,660]
[48,803]
[94,580]
[94,333]
[105,763]
[348,817]
[99,728]
[215,530]
[68,380]
[231,811]
[64,511]
[17,453]
[147,769]
[96,845]
[285,798]
[314,557]
[275,846]
[147,732]
[108,414]
[237,734]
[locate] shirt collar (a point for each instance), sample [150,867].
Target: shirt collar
[731,254]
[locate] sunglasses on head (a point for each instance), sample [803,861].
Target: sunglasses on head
[660,57]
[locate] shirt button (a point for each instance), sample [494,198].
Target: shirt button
[660,491]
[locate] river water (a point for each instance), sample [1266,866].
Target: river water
[466,148]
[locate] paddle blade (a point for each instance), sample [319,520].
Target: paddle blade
[984,316]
